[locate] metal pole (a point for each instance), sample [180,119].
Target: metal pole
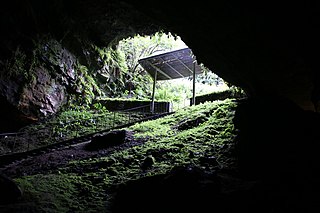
[153,91]
[194,83]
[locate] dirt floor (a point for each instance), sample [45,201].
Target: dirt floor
[59,157]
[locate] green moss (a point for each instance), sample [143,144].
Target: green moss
[87,85]
[167,146]
[20,66]
[153,129]
[62,193]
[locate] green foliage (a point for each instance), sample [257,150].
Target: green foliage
[173,90]
[20,65]
[208,77]
[87,85]
[237,91]
[99,107]
[138,83]
[112,70]
[120,67]
[112,62]
[120,74]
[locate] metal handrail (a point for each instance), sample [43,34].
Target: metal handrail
[128,119]
[135,108]
[10,133]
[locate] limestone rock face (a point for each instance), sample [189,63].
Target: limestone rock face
[36,85]
[43,96]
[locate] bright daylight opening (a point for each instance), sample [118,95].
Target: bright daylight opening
[134,81]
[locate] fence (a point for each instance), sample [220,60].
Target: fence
[137,105]
[25,140]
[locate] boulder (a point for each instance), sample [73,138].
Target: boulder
[109,139]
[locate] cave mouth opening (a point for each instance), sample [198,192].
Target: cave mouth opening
[117,76]
[137,81]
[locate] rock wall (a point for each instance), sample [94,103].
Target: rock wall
[49,53]
[36,85]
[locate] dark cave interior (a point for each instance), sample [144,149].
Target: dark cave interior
[267,49]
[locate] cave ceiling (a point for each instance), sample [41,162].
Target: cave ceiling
[263,48]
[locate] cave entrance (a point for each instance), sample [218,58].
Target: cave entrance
[175,64]
[159,69]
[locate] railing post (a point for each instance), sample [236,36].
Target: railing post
[194,84]
[14,143]
[153,91]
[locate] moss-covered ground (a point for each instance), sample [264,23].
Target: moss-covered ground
[200,136]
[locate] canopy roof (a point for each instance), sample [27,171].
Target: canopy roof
[171,65]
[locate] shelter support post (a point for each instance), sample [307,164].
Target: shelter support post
[194,84]
[153,91]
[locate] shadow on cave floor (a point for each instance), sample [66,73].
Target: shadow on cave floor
[276,150]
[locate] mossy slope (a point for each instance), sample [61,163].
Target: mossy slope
[200,136]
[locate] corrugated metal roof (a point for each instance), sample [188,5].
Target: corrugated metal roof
[171,65]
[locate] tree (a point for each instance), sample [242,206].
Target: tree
[137,82]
